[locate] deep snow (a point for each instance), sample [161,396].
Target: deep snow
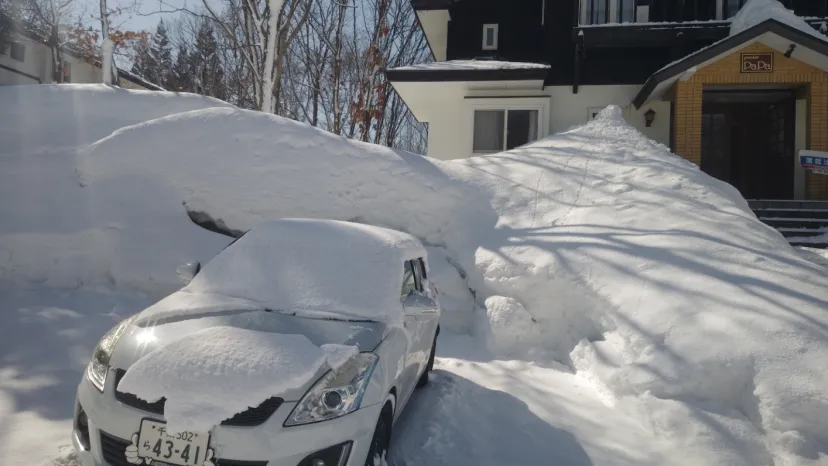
[294,265]
[627,308]
[215,373]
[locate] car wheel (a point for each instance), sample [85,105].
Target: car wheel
[381,441]
[430,367]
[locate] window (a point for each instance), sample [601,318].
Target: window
[626,11]
[490,37]
[498,130]
[18,51]
[409,280]
[597,11]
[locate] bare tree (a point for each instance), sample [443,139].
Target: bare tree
[51,18]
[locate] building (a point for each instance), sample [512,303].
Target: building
[736,86]
[28,60]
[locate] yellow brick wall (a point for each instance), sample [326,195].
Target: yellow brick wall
[688,103]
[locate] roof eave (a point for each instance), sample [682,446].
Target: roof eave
[769,25]
[527,74]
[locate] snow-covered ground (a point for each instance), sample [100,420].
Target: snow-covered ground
[621,307]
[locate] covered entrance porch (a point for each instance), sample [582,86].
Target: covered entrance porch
[742,108]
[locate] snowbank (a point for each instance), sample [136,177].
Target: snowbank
[596,248]
[54,231]
[213,374]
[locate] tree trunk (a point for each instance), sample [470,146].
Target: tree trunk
[107,47]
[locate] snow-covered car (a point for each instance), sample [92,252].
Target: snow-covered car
[297,345]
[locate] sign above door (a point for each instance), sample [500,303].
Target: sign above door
[757,63]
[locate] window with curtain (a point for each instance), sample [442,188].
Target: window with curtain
[597,11]
[498,130]
[626,11]
[488,130]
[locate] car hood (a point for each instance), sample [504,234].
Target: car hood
[147,334]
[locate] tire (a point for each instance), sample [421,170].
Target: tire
[423,381]
[381,441]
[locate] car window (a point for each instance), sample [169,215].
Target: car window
[409,280]
[421,263]
[419,273]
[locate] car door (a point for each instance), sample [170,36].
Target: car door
[413,330]
[420,323]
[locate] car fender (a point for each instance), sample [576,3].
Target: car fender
[391,352]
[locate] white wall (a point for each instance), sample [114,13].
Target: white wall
[450,115]
[38,62]
[568,109]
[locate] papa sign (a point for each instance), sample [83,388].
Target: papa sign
[814,161]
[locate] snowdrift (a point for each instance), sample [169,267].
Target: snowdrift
[51,231]
[596,248]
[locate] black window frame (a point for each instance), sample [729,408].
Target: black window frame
[409,263]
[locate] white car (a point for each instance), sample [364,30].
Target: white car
[323,284]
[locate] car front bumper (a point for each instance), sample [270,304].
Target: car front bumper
[111,424]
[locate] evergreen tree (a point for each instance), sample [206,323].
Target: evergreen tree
[179,79]
[206,65]
[161,52]
[142,63]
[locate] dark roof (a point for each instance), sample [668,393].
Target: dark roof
[771,25]
[431,4]
[521,74]
[139,80]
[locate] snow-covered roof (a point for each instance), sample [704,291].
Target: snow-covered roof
[756,12]
[314,266]
[471,65]
[754,19]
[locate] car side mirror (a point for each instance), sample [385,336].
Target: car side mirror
[188,271]
[417,302]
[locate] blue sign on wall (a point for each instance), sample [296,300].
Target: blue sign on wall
[814,161]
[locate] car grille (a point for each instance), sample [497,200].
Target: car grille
[251,417]
[113,453]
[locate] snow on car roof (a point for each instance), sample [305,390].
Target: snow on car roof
[322,266]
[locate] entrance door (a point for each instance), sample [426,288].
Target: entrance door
[748,141]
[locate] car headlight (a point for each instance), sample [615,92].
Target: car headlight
[337,393]
[99,365]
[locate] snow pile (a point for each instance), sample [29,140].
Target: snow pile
[758,11]
[297,266]
[817,256]
[210,375]
[455,297]
[53,231]
[595,248]
[469,65]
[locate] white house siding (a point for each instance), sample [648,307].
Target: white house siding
[35,62]
[448,108]
[38,62]
[569,109]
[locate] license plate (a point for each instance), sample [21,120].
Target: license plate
[180,448]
